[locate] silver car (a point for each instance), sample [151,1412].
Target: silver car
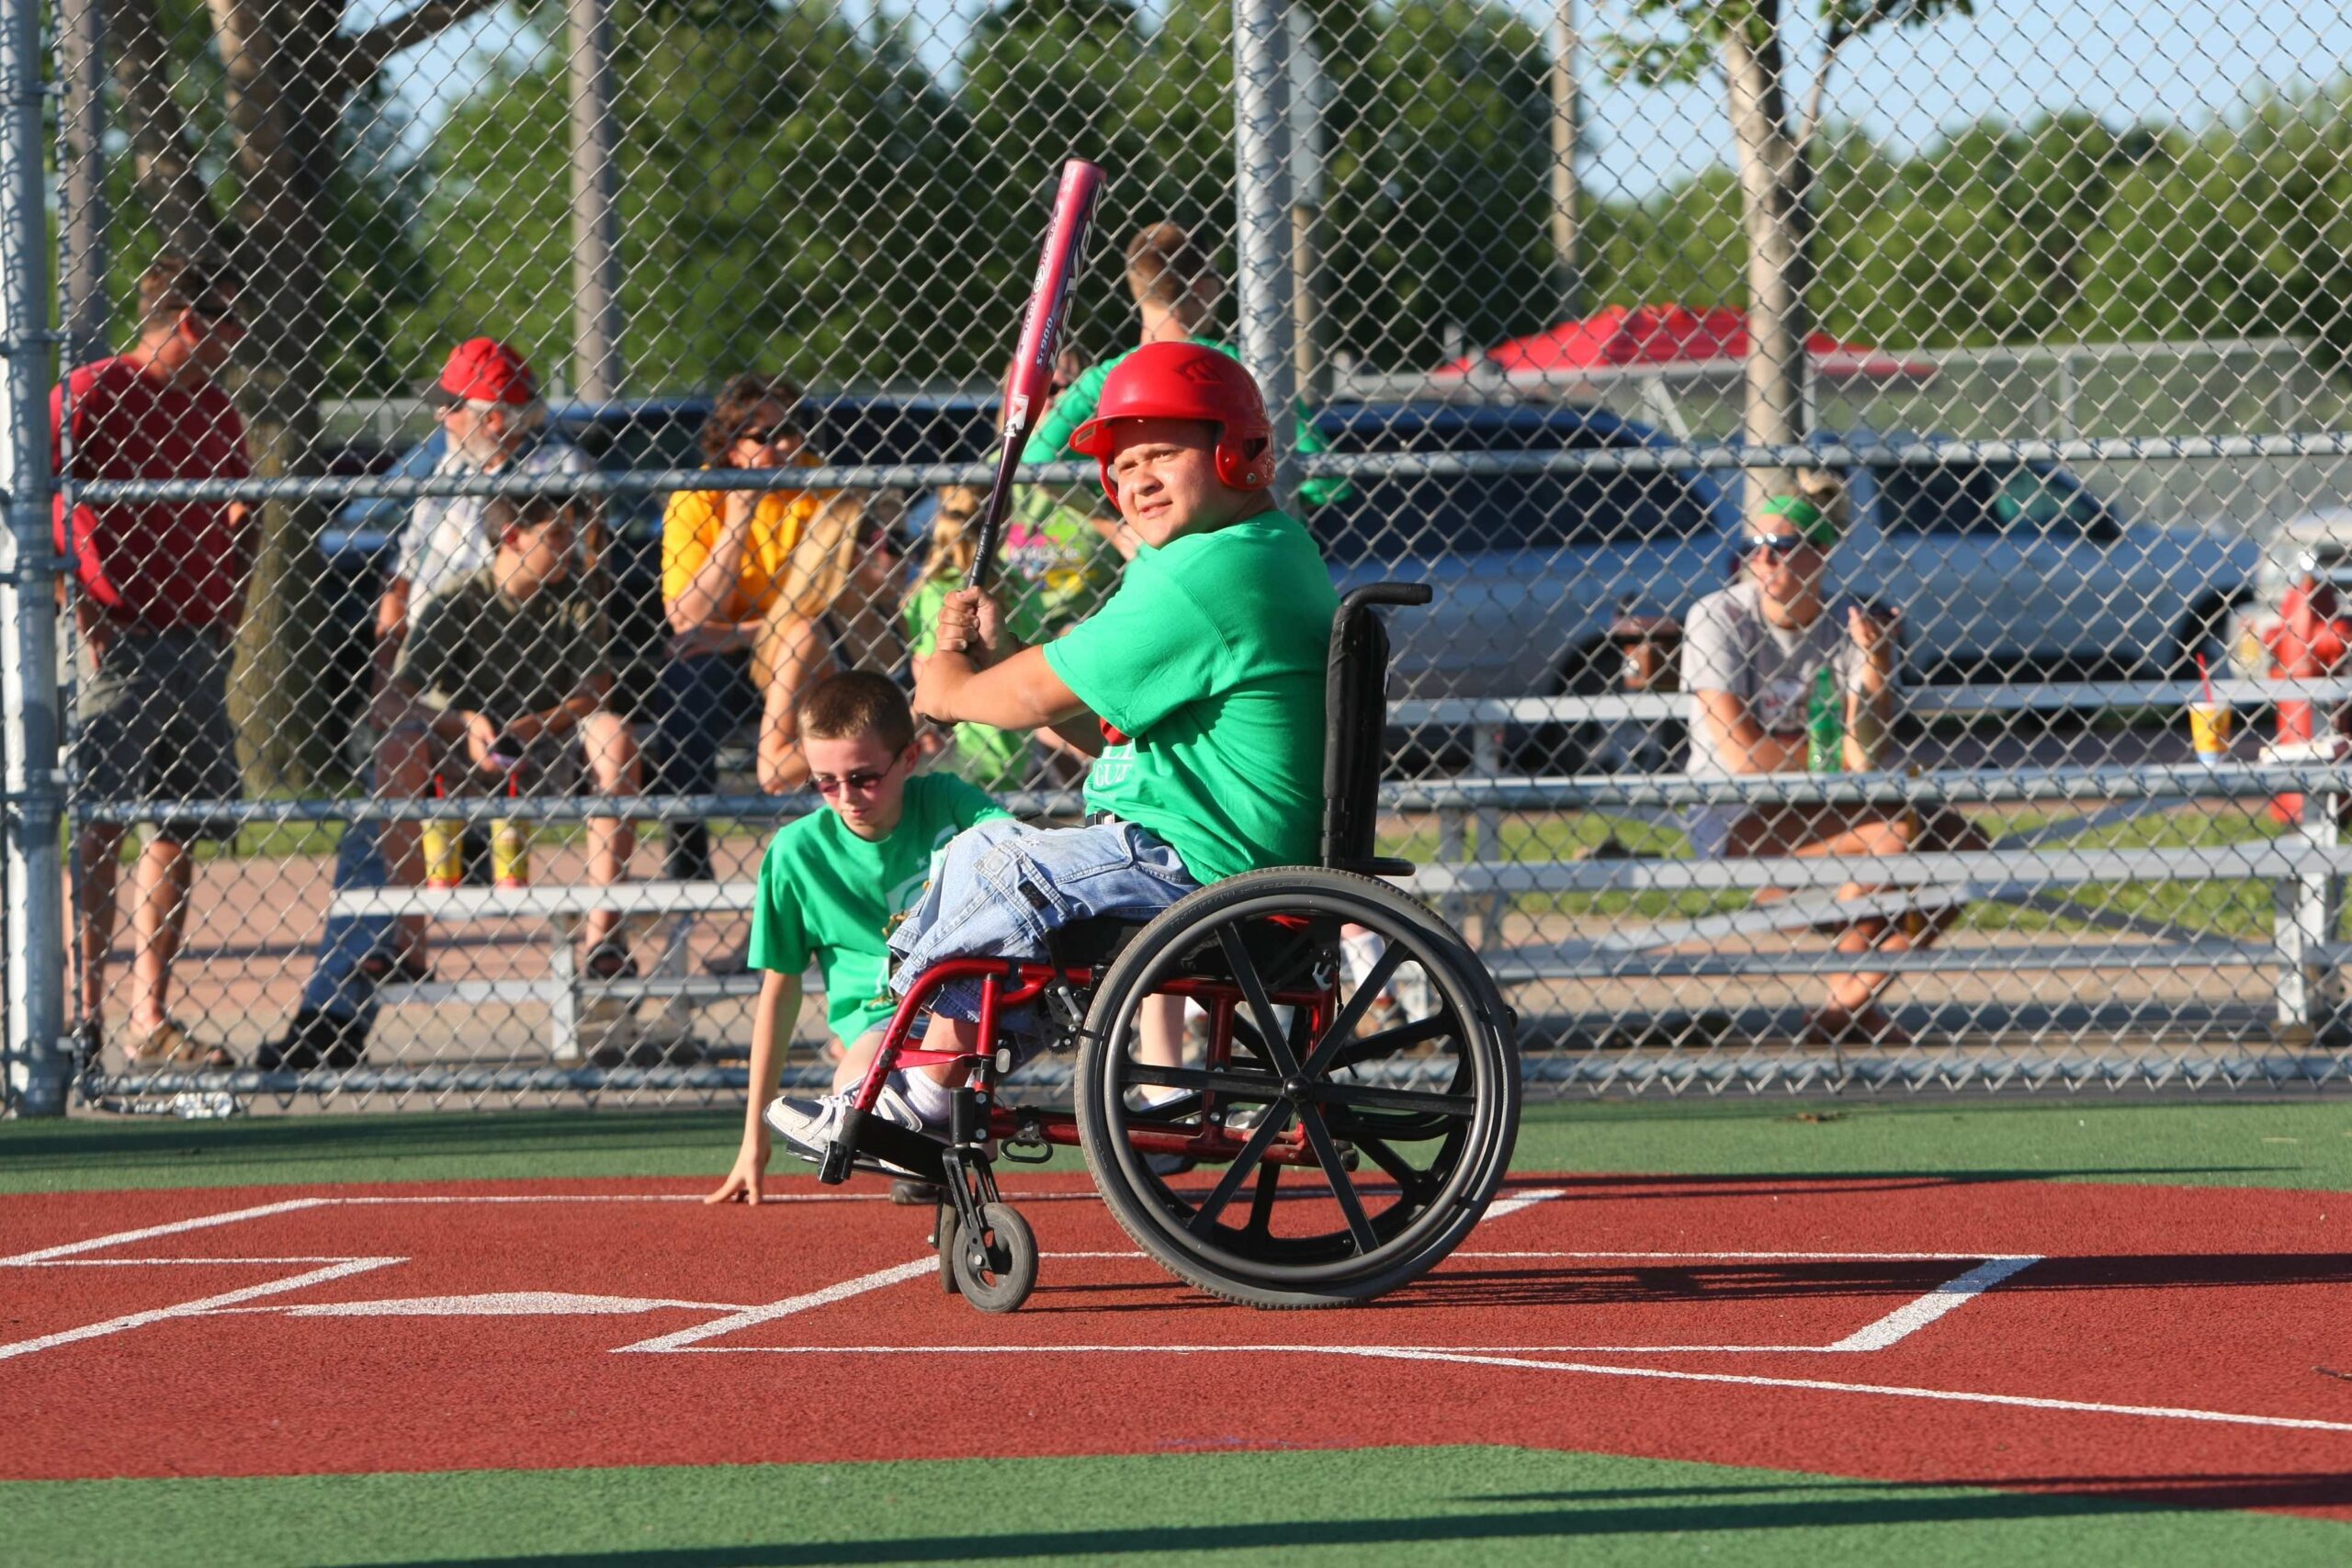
[2000,570]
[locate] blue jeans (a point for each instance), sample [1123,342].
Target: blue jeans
[997,889]
[703,701]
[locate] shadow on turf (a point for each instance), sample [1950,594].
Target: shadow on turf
[1595,1513]
[1477,1285]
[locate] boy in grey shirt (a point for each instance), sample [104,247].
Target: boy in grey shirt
[1751,656]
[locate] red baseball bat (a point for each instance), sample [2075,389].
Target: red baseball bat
[1033,364]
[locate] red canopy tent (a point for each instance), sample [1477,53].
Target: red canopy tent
[1636,338]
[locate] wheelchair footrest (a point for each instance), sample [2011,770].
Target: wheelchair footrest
[866,1137]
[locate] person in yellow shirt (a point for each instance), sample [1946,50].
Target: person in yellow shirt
[724,557]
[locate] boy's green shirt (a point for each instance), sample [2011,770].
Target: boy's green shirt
[1210,660]
[826,893]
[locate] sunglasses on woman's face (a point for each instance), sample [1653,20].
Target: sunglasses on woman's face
[1777,543]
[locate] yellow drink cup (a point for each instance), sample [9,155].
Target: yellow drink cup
[445,857]
[510,852]
[2209,731]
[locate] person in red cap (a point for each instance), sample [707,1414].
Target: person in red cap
[493,422]
[158,590]
[1198,686]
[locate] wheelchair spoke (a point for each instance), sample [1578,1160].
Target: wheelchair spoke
[1276,1122]
[1252,1086]
[1262,1201]
[1343,1026]
[1388,1041]
[1373,1097]
[1327,1154]
[1415,1182]
[1261,1007]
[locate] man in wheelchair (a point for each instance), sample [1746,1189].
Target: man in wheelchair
[1199,687]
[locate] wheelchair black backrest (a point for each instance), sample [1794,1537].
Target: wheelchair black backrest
[1356,728]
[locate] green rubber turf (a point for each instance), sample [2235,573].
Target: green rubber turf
[1405,1506]
[2306,1144]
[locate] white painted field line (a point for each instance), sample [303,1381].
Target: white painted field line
[1489,1359]
[1915,1315]
[688,1338]
[1763,1257]
[1518,1201]
[340,1270]
[157,1262]
[177,1227]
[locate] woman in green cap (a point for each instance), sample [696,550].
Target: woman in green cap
[1779,676]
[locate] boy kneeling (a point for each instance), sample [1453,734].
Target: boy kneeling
[1203,672]
[830,883]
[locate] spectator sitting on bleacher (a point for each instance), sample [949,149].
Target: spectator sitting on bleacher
[724,562]
[513,666]
[836,608]
[1751,656]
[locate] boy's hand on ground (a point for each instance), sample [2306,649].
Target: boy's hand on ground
[743,1183]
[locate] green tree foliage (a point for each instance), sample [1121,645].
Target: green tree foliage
[798,191]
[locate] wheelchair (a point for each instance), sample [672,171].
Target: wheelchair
[1330,1146]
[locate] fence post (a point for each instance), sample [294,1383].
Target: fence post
[37,1071]
[82,166]
[2309,907]
[596,220]
[1262,206]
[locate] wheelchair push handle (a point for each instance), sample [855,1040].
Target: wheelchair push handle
[1385,593]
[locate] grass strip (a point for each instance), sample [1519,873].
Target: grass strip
[2227,1142]
[1382,1504]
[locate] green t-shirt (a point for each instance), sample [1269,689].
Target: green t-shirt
[1049,443]
[989,757]
[1210,660]
[826,892]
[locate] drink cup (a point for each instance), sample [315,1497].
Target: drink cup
[444,855]
[2209,731]
[510,852]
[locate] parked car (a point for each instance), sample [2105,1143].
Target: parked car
[1999,567]
[360,544]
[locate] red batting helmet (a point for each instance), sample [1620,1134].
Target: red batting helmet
[483,370]
[1186,380]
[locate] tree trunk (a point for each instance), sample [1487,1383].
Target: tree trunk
[284,103]
[1773,175]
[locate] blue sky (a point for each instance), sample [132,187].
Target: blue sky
[2122,61]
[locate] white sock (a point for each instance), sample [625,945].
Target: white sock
[1151,1095]
[931,1100]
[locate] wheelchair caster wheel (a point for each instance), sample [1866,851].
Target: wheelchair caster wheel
[995,1271]
[943,1235]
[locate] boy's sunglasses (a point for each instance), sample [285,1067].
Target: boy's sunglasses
[863,782]
[768,436]
[1778,544]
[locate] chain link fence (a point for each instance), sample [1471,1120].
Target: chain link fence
[1883,467]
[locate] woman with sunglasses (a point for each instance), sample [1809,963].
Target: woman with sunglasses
[724,556]
[836,609]
[1753,655]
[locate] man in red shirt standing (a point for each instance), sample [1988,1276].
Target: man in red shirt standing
[158,589]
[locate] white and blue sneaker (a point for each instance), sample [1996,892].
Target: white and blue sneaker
[808,1126]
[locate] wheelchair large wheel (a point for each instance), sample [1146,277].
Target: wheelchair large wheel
[1396,1120]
